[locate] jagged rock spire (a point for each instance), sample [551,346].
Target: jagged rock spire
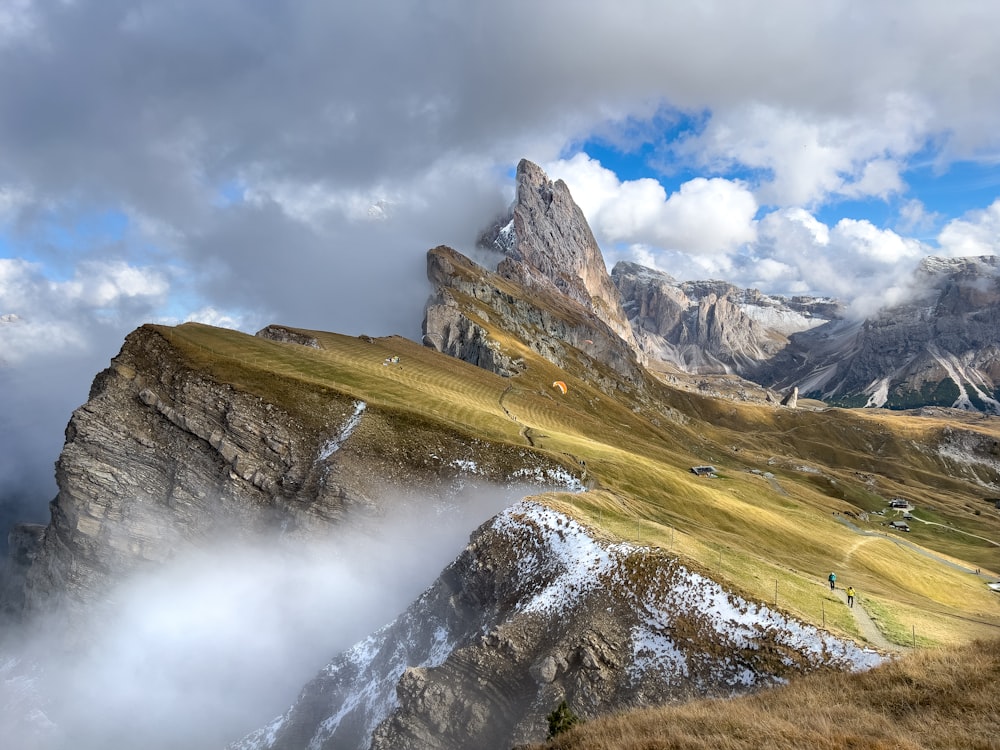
[547,241]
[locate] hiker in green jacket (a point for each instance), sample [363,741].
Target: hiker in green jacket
[832,578]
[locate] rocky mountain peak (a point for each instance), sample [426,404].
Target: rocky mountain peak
[548,241]
[551,290]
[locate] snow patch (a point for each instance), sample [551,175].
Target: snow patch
[333,445]
[506,237]
[880,394]
[579,559]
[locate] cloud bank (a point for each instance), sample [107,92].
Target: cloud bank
[217,642]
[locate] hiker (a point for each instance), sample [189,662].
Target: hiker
[850,596]
[832,578]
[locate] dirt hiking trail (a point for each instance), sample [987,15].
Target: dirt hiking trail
[869,630]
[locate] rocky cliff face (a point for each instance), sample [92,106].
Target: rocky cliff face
[164,457]
[550,291]
[548,243]
[536,611]
[711,326]
[940,347]
[475,314]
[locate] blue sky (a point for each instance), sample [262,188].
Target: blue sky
[244,164]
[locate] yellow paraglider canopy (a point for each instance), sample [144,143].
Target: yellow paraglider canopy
[561,386]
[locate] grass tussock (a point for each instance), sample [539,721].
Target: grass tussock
[930,699]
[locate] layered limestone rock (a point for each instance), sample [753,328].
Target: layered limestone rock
[534,612]
[551,291]
[549,245]
[710,327]
[940,347]
[474,309]
[164,456]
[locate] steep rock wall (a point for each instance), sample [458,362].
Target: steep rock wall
[549,245]
[711,326]
[940,346]
[163,456]
[471,305]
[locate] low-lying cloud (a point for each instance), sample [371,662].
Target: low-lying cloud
[217,642]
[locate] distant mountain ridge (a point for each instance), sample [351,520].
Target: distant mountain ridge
[712,326]
[940,347]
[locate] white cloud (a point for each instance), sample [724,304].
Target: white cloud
[976,233]
[16,19]
[705,216]
[219,318]
[915,217]
[854,261]
[806,157]
[52,314]
[106,284]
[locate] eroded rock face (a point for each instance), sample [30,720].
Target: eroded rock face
[536,611]
[711,326]
[163,457]
[549,244]
[939,347]
[472,305]
[551,290]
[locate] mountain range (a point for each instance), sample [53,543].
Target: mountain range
[627,578]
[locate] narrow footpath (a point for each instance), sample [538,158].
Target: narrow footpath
[869,630]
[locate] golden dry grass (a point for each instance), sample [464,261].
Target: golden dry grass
[929,699]
[752,533]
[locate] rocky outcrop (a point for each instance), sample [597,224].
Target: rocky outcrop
[534,612]
[551,291]
[473,309]
[164,457]
[287,335]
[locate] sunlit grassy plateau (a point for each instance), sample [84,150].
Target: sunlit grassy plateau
[771,524]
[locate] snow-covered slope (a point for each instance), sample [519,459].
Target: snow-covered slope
[537,610]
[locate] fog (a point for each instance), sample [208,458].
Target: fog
[198,652]
[38,398]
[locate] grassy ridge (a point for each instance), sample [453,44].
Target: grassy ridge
[769,537]
[929,699]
